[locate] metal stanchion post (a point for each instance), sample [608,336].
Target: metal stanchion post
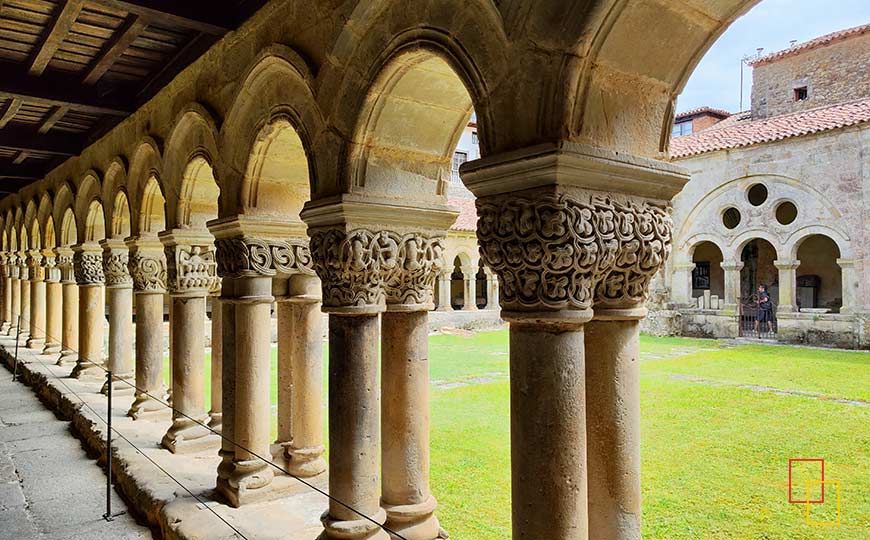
[109,516]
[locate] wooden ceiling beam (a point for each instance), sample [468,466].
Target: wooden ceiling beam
[56,114]
[132,28]
[207,16]
[10,111]
[56,90]
[55,36]
[29,173]
[46,143]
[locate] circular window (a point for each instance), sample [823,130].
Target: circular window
[786,213]
[757,194]
[731,218]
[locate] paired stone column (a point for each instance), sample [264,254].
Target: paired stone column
[191,271]
[24,295]
[6,312]
[69,339]
[247,265]
[409,284]
[847,277]
[363,254]
[491,291]
[14,293]
[561,242]
[469,289]
[300,377]
[787,285]
[215,414]
[445,299]
[147,268]
[36,270]
[119,289]
[732,283]
[88,268]
[53,303]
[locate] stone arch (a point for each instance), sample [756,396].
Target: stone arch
[621,95]
[88,204]
[120,223]
[114,197]
[68,230]
[30,226]
[740,242]
[272,127]
[46,222]
[819,277]
[687,246]
[152,209]
[146,163]
[757,253]
[193,138]
[198,199]
[842,241]
[63,210]
[711,253]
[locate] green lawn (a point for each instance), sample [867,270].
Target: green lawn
[716,437]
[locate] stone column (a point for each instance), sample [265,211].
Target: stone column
[147,267]
[191,272]
[787,285]
[88,268]
[681,284]
[247,266]
[69,339]
[613,422]
[24,285]
[53,304]
[215,415]
[7,293]
[732,284]
[228,386]
[119,289]
[406,496]
[36,340]
[14,294]
[847,277]
[444,297]
[561,240]
[469,289]
[300,377]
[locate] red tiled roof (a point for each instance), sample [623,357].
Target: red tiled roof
[812,44]
[467,220]
[744,132]
[700,110]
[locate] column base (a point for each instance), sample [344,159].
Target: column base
[444,308]
[415,521]
[469,308]
[122,385]
[51,348]
[5,327]
[248,482]
[87,370]
[35,343]
[216,421]
[187,437]
[147,408]
[305,462]
[358,529]
[67,358]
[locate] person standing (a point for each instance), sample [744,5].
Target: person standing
[765,310]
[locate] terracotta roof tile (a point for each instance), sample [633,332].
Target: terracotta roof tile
[699,110]
[812,44]
[742,131]
[467,220]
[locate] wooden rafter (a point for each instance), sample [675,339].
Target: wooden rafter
[19,159]
[121,40]
[56,114]
[55,36]
[20,172]
[10,111]
[48,143]
[207,16]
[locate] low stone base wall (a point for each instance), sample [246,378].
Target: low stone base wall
[663,322]
[708,323]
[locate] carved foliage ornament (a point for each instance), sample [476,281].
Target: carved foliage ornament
[558,252]
[115,268]
[363,267]
[243,256]
[191,269]
[88,267]
[35,268]
[148,271]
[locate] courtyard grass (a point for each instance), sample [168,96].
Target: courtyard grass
[716,438]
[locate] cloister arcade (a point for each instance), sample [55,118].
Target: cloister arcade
[304,160]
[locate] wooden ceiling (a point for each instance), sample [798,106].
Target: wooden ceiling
[72,69]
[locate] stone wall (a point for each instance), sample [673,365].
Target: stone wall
[832,74]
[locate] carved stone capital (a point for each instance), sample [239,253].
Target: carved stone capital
[555,251]
[49,262]
[249,257]
[147,265]
[36,270]
[191,269]
[409,283]
[349,266]
[115,268]
[88,265]
[65,264]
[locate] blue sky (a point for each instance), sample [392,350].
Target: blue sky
[771,24]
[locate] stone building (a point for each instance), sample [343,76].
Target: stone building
[239,152]
[777,196]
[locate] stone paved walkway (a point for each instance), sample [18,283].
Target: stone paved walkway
[49,488]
